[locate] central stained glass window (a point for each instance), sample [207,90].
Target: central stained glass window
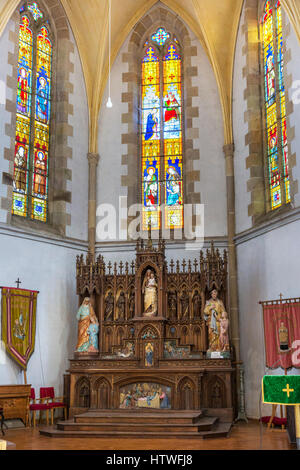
[161,129]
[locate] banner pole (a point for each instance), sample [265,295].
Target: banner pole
[25,376]
[297,425]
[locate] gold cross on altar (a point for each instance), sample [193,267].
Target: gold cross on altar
[288,390]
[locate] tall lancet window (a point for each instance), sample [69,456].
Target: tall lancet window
[275,110]
[30,183]
[161,132]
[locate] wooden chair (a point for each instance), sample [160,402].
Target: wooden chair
[42,406]
[274,420]
[54,402]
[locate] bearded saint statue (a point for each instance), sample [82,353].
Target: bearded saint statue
[213,311]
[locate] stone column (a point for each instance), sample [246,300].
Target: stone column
[93,159]
[253,116]
[233,282]
[233,288]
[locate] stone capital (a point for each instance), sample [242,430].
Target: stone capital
[93,158]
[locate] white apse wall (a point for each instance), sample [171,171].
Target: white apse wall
[268,265]
[49,268]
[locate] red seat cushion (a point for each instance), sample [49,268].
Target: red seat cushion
[38,407]
[265,419]
[57,405]
[280,421]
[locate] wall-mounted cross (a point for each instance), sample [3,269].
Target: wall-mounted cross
[18,282]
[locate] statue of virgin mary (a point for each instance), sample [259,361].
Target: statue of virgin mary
[150,294]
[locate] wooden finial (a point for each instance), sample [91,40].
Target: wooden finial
[149,235]
[109,267]
[132,267]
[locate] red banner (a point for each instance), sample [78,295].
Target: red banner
[282,329]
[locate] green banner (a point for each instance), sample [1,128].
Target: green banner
[281,389]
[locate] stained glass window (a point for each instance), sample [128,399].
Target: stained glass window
[35,11]
[30,185]
[172,138]
[275,112]
[161,36]
[162,182]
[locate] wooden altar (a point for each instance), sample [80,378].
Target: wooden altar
[177,335]
[155,363]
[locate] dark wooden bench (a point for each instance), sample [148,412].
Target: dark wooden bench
[2,420]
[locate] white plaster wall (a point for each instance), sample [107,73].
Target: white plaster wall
[292,69]
[267,266]
[267,263]
[240,129]
[79,144]
[212,184]
[50,269]
[6,47]
[111,149]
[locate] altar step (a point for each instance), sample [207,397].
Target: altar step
[204,425]
[149,416]
[135,424]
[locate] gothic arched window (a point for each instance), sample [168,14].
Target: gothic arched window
[31,162]
[161,132]
[277,166]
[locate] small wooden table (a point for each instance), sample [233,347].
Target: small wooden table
[14,399]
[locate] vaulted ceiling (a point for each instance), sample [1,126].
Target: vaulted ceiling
[215,23]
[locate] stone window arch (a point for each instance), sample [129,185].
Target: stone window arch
[33,115]
[161,130]
[159,16]
[50,212]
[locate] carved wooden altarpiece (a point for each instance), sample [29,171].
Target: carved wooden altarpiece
[152,361]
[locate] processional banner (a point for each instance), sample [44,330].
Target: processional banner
[19,323]
[282,331]
[281,389]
